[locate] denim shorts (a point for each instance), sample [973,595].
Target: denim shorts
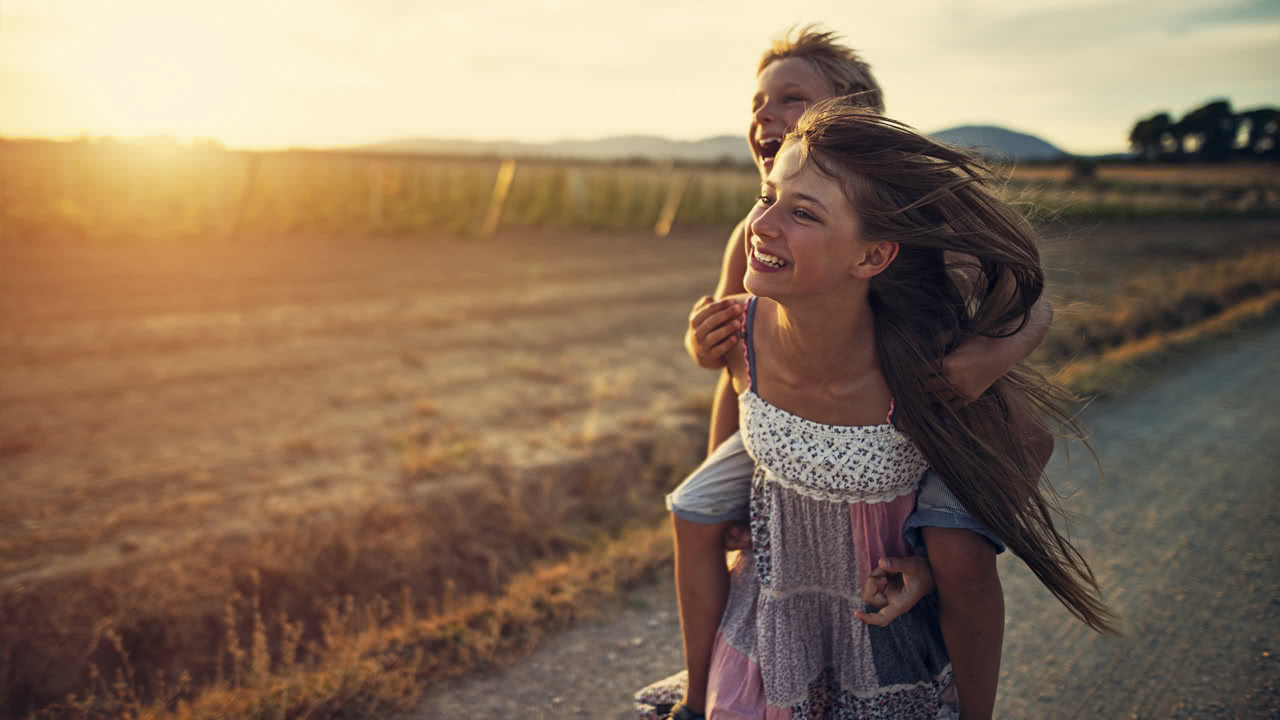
[719,490]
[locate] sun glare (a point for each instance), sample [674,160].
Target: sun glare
[159,72]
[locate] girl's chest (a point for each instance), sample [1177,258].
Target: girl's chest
[847,463]
[860,402]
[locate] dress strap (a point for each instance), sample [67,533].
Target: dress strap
[892,417]
[748,349]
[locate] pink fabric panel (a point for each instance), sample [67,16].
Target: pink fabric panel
[877,530]
[735,689]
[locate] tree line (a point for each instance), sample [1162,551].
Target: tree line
[1210,133]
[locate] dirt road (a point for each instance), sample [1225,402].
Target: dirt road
[1183,535]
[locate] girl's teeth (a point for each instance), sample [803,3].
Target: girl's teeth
[770,260]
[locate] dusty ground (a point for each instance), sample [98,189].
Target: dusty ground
[153,400]
[1184,536]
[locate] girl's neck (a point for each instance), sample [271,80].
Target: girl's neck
[826,341]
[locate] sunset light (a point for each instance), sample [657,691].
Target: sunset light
[256,74]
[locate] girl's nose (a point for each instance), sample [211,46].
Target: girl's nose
[764,226]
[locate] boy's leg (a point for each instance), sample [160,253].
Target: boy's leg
[971,613]
[703,507]
[702,588]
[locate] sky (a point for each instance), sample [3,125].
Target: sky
[324,73]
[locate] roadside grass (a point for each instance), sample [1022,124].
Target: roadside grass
[345,613]
[1146,307]
[371,659]
[1130,366]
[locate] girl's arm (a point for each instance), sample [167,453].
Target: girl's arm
[971,613]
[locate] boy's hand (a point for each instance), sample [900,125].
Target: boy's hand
[895,587]
[966,373]
[979,362]
[714,326]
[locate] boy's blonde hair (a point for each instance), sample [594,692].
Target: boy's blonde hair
[838,64]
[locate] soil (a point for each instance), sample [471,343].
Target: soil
[1184,534]
[153,399]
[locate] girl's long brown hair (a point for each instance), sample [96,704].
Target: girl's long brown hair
[937,203]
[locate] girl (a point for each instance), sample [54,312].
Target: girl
[856,304]
[804,67]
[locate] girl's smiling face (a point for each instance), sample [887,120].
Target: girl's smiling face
[803,231]
[783,90]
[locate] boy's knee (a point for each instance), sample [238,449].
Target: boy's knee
[960,558]
[691,534]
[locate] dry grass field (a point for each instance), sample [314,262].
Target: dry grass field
[103,193]
[238,455]
[1233,175]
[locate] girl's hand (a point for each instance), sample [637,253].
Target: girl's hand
[713,330]
[895,587]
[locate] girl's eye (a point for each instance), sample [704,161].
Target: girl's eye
[795,99]
[764,199]
[804,215]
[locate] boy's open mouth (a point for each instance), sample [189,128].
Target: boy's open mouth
[767,149]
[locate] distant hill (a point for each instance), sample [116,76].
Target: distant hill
[651,147]
[733,148]
[1001,143]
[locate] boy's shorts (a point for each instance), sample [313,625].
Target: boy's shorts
[720,491]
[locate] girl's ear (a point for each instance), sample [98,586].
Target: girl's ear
[876,256]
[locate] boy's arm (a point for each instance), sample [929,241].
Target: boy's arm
[971,613]
[724,413]
[733,266]
[977,363]
[711,332]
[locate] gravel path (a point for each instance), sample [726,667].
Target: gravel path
[1183,535]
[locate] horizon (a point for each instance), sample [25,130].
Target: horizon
[347,76]
[363,146]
